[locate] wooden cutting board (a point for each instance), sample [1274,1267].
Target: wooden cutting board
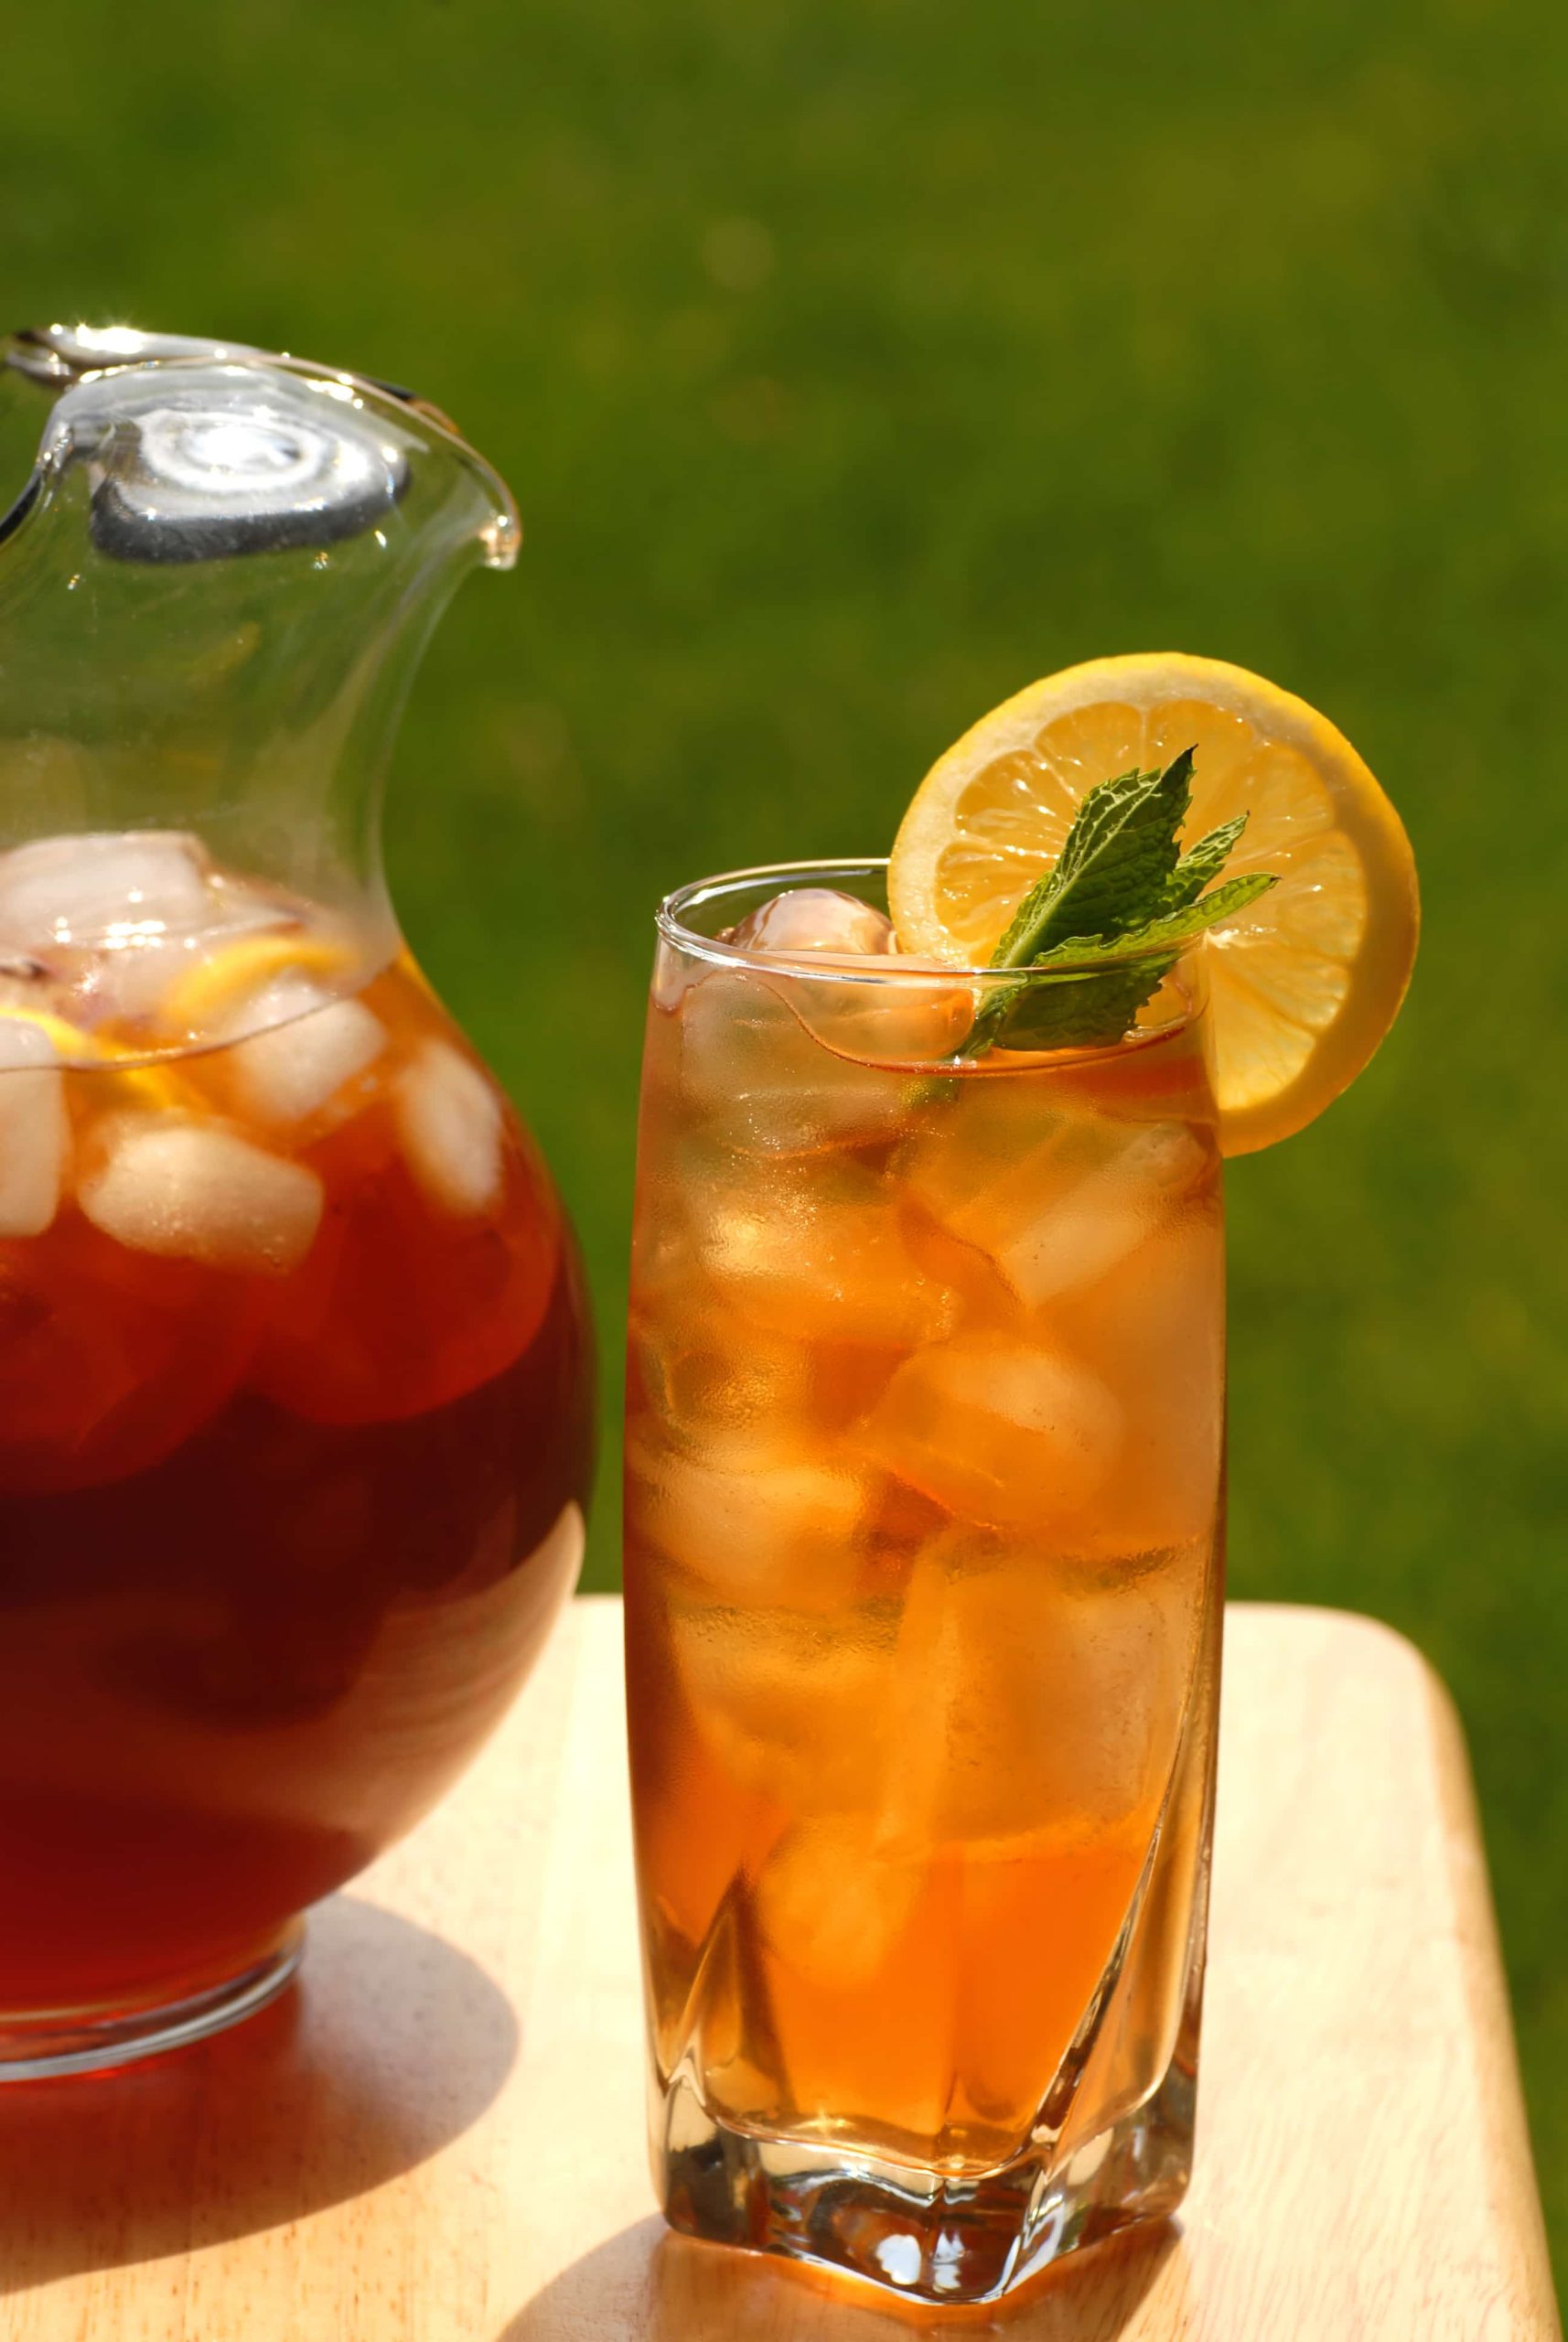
[438,2137]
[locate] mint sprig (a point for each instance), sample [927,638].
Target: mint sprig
[1112,912]
[1202,863]
[1120,856]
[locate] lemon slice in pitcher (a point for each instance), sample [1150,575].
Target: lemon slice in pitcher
[1307,980]
[135,1085]
[218,981]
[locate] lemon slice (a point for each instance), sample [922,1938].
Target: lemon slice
[68,1041]
[140,1085]
[214,984]
[1307,980]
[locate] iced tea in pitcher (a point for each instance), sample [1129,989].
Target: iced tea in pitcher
[295,1429]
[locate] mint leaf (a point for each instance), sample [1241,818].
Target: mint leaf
[1201,863]
[1122,870]
[1084,1010]
[1102,987]
[1171,926]
[1120,856]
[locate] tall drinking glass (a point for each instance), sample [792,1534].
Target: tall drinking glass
[923,1574]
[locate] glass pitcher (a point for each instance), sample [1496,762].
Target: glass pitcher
[295,1380]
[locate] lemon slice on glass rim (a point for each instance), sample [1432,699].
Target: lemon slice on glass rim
[1305,981]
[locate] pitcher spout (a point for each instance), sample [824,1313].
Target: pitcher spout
[54,359]
[215,587]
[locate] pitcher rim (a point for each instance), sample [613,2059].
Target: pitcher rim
[63,356]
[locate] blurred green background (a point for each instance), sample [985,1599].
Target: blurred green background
[855,360]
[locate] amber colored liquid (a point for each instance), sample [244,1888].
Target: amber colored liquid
[923,1479]
[275,1548]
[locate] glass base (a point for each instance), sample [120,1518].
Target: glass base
[35,2047]
[925,2236]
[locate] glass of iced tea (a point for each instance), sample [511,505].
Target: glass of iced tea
[925,1464]
[295,1377]
[924,1508]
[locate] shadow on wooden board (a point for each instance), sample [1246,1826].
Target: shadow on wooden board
[394,2044]
[648,2284]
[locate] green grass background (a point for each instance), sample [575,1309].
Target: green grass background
[855,360]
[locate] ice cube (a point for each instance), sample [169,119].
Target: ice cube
[832,1901]
[1080,1235]
[911,1016]
[127,976]
[242,907]
[196,1191]
[35,1130]
[704,1377]
[903,1011]
[1006,1432]
[752,1530]
[818,1259]
[793,1703]
[814,918]
[136,976]
[1055,1215]
[990,1124]
[110,885]
[311,1043]
[1031,1700]
[1154,1326]
[452,1127]
[756,1079]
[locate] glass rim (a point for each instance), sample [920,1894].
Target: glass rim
[860,967]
